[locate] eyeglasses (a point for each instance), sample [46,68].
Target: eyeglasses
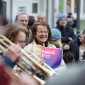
[22,42]
[42,32]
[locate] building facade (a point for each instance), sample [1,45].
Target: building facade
[49,7]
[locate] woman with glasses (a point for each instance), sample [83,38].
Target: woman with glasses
[17,34]
[41,35]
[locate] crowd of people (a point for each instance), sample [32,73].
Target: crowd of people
[27,32]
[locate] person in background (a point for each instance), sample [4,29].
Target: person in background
[22,19]
[17,34]
[41,35]
[31,21]
[41,17]
[66,32]
[77,46]
[68,57]
[71,21]
[56,37]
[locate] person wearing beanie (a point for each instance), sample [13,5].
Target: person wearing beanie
[56,34]
[67,33]
[61,16]
[56,40]
[56,37]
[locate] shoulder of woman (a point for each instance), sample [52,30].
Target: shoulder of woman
[28,47]
[51,45]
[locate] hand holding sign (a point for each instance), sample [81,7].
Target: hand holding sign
[52,56]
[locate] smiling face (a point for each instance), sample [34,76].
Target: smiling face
[41,34]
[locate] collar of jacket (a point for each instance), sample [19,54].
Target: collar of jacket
[46,43]
[62,28]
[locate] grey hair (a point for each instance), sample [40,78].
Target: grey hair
[16,18]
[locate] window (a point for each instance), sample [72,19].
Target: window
[34,7]
[21,9]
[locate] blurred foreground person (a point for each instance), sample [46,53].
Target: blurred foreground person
[73,76]
[11,54]
[26,79]
[17,34]
[9,78]
[6,76]
[9,57]
[7,60]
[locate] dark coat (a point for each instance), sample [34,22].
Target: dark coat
[66,33]
[72,23]
[74,47]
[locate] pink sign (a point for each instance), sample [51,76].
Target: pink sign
[52,56]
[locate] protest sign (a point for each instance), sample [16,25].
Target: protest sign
[52,56]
